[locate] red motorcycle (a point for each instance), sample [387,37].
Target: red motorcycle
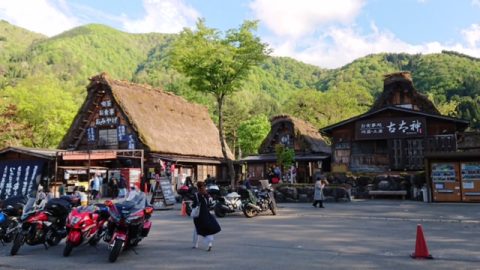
[85,224]
[45,226]
[128,224]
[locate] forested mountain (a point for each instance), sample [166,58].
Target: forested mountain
[43,80]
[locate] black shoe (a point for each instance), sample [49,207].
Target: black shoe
[322,207]
[209,248]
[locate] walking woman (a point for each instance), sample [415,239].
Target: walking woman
[318,196]
[205,224]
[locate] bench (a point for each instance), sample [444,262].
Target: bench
[373,193]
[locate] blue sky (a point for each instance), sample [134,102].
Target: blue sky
[326,33]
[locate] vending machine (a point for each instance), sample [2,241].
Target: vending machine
[446,185]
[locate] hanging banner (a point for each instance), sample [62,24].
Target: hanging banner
[131,141]
[122,133]
[91,134]
[19,177]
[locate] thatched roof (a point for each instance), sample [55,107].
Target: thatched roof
[165,123]
[402,82]
[305,131]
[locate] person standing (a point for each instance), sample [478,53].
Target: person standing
[205,224]
[95,187]
[122,187]
[318,196]
[113,187]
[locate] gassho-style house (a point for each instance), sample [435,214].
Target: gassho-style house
[312,153]
[135,130]
[396,134]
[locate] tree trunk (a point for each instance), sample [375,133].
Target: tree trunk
[231,170]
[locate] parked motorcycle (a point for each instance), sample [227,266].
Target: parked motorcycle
[258,200]
[45,226]
[228,204]
[11,210]
[85,224]
[128,224]
[187,194]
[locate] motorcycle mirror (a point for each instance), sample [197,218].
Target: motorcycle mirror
[108,203]
[148,210]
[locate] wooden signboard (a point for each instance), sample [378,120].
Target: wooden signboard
[163,196]
[386,128]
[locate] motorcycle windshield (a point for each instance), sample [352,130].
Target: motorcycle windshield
[132,204]
[29,207]
[86,209]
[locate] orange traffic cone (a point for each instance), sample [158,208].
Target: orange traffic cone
[183,210]
[421,249]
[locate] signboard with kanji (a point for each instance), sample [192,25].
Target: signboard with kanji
[19,177]
[398,127]
[91,134]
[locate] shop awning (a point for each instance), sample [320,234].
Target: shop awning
[89,155]
[83,169]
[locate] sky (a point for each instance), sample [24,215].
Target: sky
[325,33]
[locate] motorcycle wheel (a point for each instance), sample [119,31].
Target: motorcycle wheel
[68,249]
[188,209]
[249,212]
[9,236]
[17,243]
[117,247]
[273,208]
[94,240]
[219,212]
[53,240]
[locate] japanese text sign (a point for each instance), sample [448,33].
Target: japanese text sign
[397,127]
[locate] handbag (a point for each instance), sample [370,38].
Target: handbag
[196,210]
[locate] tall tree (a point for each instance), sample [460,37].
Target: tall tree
[44,106]
[218,63]
[251,133]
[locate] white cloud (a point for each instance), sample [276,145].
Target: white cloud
[476,3]
[324,33]
[338,46]
[49,17]
[165,16]
[472,35]
[301,17]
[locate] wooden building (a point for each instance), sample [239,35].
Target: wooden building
[22,169]
[395,133]
[137,131]
[312,153]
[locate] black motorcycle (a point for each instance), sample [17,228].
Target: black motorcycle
[258,200]
[11,210]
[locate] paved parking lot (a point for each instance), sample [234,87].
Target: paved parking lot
[371,234]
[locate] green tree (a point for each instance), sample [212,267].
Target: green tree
[218,64]
[285,156]
[12,130]
[251,133]
[43,105]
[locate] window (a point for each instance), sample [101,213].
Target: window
[107,137]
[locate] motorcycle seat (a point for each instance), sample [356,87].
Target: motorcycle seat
[233,195]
